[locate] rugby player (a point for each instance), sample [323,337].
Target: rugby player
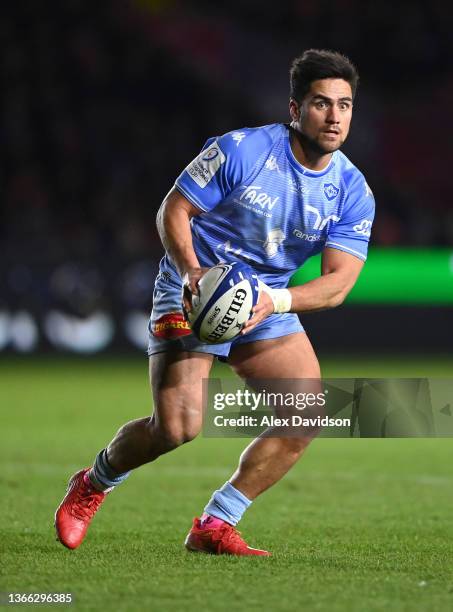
[270,196]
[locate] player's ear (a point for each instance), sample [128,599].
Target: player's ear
[294,109]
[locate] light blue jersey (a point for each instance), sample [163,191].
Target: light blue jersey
[262,207]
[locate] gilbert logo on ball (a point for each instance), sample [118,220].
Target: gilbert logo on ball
[227,294]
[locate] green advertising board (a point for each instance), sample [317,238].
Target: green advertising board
[396,276]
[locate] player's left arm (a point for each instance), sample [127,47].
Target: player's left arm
[339,269]
[343,258]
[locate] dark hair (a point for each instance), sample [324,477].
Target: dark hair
[316,64]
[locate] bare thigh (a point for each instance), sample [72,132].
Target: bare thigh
[288,357]
[286,366]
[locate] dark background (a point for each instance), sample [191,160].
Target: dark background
[104,103]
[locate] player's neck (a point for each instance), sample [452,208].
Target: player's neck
[305,155]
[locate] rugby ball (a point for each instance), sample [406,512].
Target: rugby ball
[227,294]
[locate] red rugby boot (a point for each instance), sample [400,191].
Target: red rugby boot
[78,507]
[222,540]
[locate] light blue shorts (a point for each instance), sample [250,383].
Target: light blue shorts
[167,299]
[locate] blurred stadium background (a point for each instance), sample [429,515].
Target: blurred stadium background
[104,103]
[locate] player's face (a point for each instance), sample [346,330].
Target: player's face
[324,116]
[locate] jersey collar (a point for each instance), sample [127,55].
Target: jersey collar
[302,169]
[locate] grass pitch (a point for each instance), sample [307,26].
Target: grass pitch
[357,525]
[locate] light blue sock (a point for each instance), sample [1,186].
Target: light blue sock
[102,475]
[228,504]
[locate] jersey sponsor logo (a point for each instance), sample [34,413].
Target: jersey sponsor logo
[320,222]
[238,137]
[171,325]
[308,237]
[363,228]
[330,191]
[297,187]
[204,167]
[272,164]
[274,239]
[227,248]
[254,195]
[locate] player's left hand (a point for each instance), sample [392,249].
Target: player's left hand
[263,309]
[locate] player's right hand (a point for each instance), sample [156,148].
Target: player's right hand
[263,309]
[190,286]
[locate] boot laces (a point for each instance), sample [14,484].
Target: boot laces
[86,503]
[229,536]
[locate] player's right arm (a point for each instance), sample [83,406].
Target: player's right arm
[206,181]
[173,225]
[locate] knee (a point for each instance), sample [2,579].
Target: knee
[177,437]
[170,437]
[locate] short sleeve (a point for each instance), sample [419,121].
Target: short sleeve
[221,166]
[352,233]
